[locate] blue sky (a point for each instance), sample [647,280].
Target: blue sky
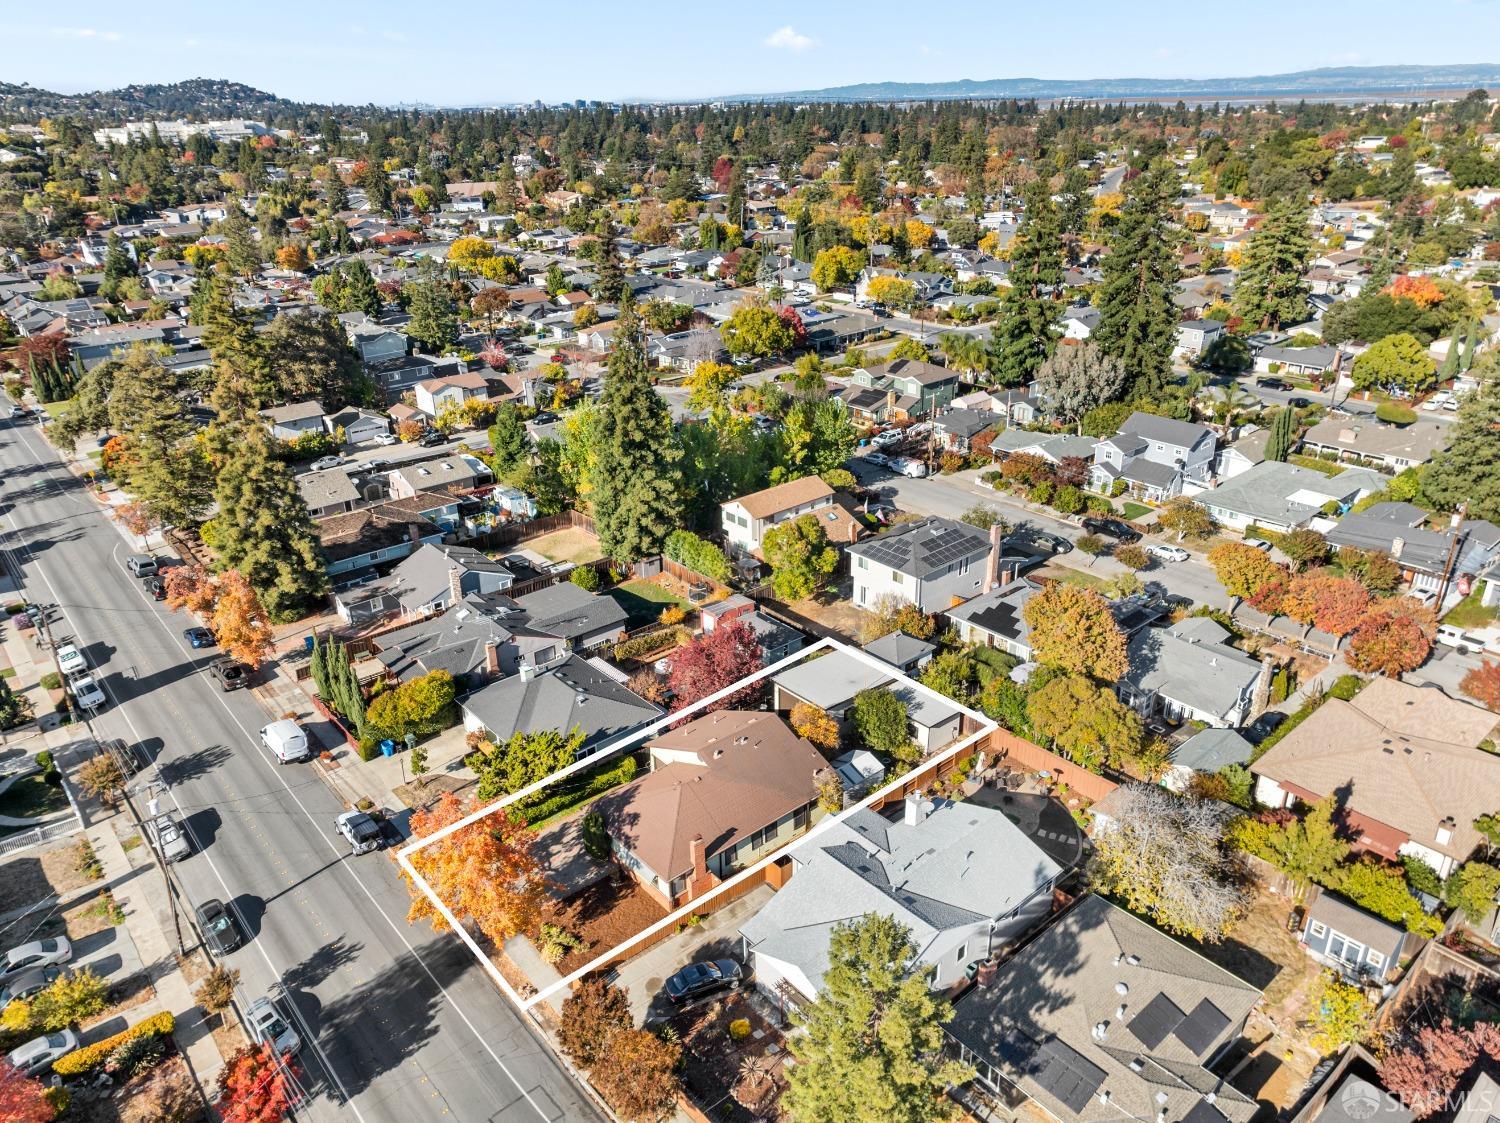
[514,50]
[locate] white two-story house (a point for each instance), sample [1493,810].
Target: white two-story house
[746,519]
[933,563]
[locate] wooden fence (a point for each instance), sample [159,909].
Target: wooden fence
[512,534]
[1022,753]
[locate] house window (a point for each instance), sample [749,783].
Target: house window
[962,953]
[895,577]
[861,561]
[1319,930]
[679,886]
[1374,959]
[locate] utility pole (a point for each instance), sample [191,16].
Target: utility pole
[1455,524]
[156,854]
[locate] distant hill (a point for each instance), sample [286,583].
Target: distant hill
[196,97]
[1389,81]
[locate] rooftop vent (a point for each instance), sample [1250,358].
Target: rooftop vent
[1121,988]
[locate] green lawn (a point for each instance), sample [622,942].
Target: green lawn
[1327,467]
[643,601]
[1074,577]
[1469,613]
[31,796]
[56,409]
[1133,511]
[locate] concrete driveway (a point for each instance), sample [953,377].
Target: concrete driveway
[717,937]
[568,865]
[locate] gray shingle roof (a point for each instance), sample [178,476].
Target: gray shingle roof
[572,694]
[925,547]
[959,865]
[1190,665]
[1211,750]
[1037,1023]
[1168,430]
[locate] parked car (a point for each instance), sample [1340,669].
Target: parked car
[1273,384]
[1451,635]
[323,463]
[360,830]
[157,588]
[879,459]
[36,1056]
[38,953]
[431,438]
[909,467]
[141,565]
[168,837]
[70,660]
[270,1028]
[1112,528]
[231,674]
[287,741]
[28,983]
[219,928]
[887,438]
[1163,552]
[18,412]
[385,440]
[698,979]
[1437,401]
[198,637]
[86,692]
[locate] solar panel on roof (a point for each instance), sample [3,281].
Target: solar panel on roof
[1067,1074]
[1202,1027]
[1204,1112]
[1155,1020]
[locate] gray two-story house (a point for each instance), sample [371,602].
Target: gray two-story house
[919,388]
[1156,457]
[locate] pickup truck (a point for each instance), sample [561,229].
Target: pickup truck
[231,674]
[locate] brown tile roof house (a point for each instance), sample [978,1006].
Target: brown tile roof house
[746,519]
[783,497]
[1104,1019]
[469,380]
[1405,763]
[386,532]
[722,791]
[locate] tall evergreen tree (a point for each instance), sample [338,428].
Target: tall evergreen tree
[240,378]
[1025,334]
[119,266]
[434,321]
[359,292]
[1137,318]
[1471,342]
[264,528]
[241,251]
[638,488]
[1270,290]
[802,240]
[1450,367]
[1283,431]
[167,469]
[872,1046]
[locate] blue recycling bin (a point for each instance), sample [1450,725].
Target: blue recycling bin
[308,643]
[388,748]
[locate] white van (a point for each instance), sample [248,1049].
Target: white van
[287,740]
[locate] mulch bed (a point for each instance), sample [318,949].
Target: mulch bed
[603,916]
[714,1058]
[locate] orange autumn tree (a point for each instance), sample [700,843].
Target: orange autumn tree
[254,1088]
[191,587]
[485,872]
[238,620]
[1421,291]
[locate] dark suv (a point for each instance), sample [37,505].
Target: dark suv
[431,438]
[1112,528]
[698,979]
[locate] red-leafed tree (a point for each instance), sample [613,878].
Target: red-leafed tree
[1331,604]
[22,1099]
[793,321]
[714,661]
[1394,637]
[254,1088]
[1483,683]
[1425,1071]
[46,350]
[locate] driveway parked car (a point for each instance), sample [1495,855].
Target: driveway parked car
[888,438]
[28,983]
[1164,552]
[1112,528]
[270,1028]
[323,463]
[70,660]
[86,692]
[698,979]
[37,1055]
[38,953]
[198,637]
[360,830]
[219,928]
[879,459]
[385,440]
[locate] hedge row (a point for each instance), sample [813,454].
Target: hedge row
[80,1061]
[652,642]
[596,784]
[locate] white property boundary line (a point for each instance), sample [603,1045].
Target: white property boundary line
[403,856]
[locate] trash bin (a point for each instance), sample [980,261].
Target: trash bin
[308,643]
[387,748]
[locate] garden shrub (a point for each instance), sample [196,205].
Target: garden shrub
[83,1060]
[641,646]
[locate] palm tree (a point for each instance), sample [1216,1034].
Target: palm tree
[1229,401]
[963,352]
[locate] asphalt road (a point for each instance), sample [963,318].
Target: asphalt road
[398,1023]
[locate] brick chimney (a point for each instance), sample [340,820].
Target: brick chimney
[456,583]
[1260,698]
[699,880]
[492,658]
[414,532]
[992,563]
[1397,545]
[853,531]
